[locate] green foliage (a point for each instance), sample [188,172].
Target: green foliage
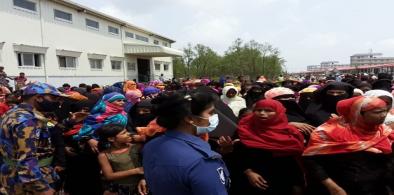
[251,58]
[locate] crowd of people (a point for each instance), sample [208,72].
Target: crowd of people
[231,136]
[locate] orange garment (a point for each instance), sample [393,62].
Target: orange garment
[153,128]
[347,133]
[131,86]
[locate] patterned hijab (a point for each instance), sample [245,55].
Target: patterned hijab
[104,112]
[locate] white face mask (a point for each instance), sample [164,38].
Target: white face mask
[213,123]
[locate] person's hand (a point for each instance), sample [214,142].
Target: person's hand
[138,138]
[69,151]
[93,145]
[59,169]
[50,191]
[391,125]
[226,144]
[333,187]
[337,191]
[334,116]
[109,193]
[142,187]
[303,127]
[78,116]
[139,170]
[256,180]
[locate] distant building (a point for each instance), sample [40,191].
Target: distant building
[325,66]
[370,58]
[313,68]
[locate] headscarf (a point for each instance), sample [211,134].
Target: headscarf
[131,86]
[254,94]
[80,90]
[205,81]
[310,89]
[111,89]
[294,112]
[261,79]
[359,91]
[306,96]
[237,85]
[150,91]
[118,85]
[320,110]
[132,98]
[104,112]
[236,103]
[97,91]
[138,120]
[75,95]
[141,86]
[379,93]
[347,133]
[278,91]
[160,86]
[222,80]
[154,83]
[274,135]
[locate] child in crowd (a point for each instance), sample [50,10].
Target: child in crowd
[119,160]
[20,81]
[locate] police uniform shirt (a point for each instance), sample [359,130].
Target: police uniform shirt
[181,164]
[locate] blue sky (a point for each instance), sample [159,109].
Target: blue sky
[305,31]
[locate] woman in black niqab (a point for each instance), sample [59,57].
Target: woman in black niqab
[325,101]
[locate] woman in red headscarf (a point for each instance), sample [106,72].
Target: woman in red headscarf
[351,154]
[270,148]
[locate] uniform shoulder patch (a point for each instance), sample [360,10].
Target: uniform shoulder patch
[222,177]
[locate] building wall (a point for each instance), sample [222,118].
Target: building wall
[167,74]
[43,30]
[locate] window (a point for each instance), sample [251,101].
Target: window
[113,30]
[166,66]
[29,59]
[96,64]
[92,24]
[67,62]
[25,4]
[156,42]
[157,66]
[165,44]
[142,38]
[131,66]
[61,15]
[116,65]
[129,35]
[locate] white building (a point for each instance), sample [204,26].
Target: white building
[58,41]
[370,59]
[325,66]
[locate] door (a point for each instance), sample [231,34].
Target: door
[143,70]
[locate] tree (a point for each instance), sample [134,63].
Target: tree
[188,57]
[251,58]
[206,62]
[180,70]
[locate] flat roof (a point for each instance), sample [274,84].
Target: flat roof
[367,54]
[96,13]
